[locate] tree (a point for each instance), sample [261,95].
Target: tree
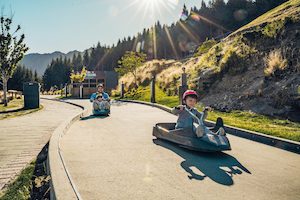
[184,13]
[77,63]
[86,58]
[20,76]
[78,77]
[12,50]
[35,78]
[74,64]
[57,73]
[203,5]
[130,62]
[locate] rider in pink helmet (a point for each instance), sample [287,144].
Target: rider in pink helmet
[191,93]
[185,120]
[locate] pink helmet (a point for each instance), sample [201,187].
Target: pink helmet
[188,93]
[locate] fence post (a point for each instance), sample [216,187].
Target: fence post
[80,91]
[66,90]
[153,89]
[183,85]
[61,88]
[122,90]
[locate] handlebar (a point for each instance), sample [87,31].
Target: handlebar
[200,120]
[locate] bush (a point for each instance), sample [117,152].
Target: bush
[272,29]
[115,93]
[232,62]
[205,46]
[274,63]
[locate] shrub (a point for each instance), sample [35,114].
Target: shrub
[232,62]
[115,93]
[205,46]
[274,63]
[272,29]
[169,92]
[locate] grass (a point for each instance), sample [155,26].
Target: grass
[64,96]
[143,94]
[259,123]
[21,187]
[15,104]
[19,113]
[274,62]
[241,119]
[12,105]
[273,28]
[205,46]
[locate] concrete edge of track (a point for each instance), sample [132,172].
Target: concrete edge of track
[277,142]
[62,185]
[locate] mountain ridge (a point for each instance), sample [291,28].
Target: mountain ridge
[39,61]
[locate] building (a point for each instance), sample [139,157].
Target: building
[108,78]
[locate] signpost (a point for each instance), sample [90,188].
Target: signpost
[183,85]
[90,75]
[153,89]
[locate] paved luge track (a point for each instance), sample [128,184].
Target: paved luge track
[118,158]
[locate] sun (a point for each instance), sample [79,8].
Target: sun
[152,8]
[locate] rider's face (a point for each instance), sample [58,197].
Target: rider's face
[100,89]
[191,102]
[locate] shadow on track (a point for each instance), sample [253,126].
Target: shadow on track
[93,117]
[219,167]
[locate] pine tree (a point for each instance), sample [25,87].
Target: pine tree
[203,5]
[86,58]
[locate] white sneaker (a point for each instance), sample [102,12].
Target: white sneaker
[221,131]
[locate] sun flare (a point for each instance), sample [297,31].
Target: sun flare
[152,8]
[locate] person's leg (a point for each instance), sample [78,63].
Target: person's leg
[106,105]
[221,131]
[219,123]
[100,104]
[198,130]
[95,106]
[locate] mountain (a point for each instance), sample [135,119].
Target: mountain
[256,68]
[39,62]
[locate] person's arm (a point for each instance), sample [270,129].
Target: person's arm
[199,114]
[106,96]
[204,112]
[177,110]
[93,96]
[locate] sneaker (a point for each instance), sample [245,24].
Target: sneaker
[221,131]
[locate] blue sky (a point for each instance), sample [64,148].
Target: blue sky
[66,25]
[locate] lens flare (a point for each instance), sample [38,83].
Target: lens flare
[154,42]
[171,42]
[100,62]
[138,47]
[151,8]
[240,15]
[192,35]
[197,17]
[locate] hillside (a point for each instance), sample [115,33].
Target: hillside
[39,62]
[256,68]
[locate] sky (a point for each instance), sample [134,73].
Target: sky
[66,25]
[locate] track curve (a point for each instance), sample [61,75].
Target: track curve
[118,158]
